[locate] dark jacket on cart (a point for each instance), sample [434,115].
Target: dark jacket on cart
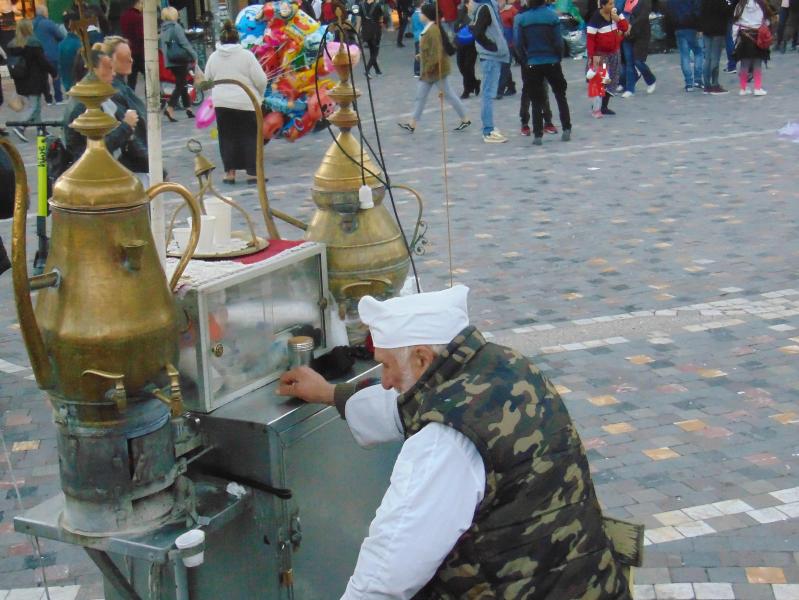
[37,68]
[715,17]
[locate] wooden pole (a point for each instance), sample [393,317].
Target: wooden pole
[153,85]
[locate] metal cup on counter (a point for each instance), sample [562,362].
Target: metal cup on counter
[300,349]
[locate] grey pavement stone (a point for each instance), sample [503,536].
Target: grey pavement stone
[752,591]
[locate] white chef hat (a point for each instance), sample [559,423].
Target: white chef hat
[428,318]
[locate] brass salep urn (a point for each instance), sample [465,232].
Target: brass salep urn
[103,338]
[366,252]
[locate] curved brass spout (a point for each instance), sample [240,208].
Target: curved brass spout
[40,362]
[271,228]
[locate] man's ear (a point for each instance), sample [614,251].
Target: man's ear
[421,358]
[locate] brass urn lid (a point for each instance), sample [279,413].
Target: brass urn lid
[338,173]
[97,181]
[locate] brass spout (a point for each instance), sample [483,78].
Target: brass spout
[271,228]
[175,399]
[118,395]
[40,362]
[132,252]
[45,280]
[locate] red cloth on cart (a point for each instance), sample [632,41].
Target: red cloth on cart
[274,248]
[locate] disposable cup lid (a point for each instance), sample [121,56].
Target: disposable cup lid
[192,538]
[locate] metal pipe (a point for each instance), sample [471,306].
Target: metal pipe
[271,228]
[181,580]
[112,573]
[289,219]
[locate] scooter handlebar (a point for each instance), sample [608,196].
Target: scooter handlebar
[35,123]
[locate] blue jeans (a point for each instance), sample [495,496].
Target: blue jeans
[33,109]
[631,66]
[713,44]
[490,69]
[730,48]
[688,42]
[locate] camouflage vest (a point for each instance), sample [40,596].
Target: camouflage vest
[538,533]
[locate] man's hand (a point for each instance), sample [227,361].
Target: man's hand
[306,384]
[131,118]
[614,15]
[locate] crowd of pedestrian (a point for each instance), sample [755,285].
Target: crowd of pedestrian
[498,34]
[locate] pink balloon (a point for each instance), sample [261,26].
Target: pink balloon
[331,50]
[205,114]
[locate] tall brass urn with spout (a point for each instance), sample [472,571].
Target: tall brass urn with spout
[103,338]
[366,250]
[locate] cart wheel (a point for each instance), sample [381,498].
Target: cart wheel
[199,96]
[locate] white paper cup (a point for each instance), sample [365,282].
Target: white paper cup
[194,539]
[222,211]
[181,235]
[206,243]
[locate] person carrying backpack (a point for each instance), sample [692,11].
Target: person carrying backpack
[29,69]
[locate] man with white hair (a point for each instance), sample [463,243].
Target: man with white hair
[491,495]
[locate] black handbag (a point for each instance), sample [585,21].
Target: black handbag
[177,54]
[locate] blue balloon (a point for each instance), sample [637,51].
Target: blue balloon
[251,31]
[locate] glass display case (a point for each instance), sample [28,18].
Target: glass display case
[237,324]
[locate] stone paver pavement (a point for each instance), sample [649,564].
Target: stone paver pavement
[649,266]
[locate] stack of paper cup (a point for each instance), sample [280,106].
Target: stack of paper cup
[181,235]
[206,243]
[222,211]
[192,546]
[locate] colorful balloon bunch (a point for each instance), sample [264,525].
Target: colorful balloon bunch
[287,42]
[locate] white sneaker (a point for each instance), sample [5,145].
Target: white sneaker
[627,94]
[760,92]
[650,89]
[619,88]
[745,92]
[495,137]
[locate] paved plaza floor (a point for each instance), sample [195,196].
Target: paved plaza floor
[649,266]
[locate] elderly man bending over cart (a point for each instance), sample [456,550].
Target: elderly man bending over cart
[491,495]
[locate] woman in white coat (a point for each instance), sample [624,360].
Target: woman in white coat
[235,114]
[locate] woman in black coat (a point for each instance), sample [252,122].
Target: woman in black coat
[371,12]
[29,69]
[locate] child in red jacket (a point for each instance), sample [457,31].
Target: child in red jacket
[597,76]
[604,35]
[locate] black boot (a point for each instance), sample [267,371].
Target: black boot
[605,102]
[5,264]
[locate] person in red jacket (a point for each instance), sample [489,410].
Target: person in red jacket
[447,14]
[604,35]
[132,25]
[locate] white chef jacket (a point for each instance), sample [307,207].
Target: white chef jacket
[436,485]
